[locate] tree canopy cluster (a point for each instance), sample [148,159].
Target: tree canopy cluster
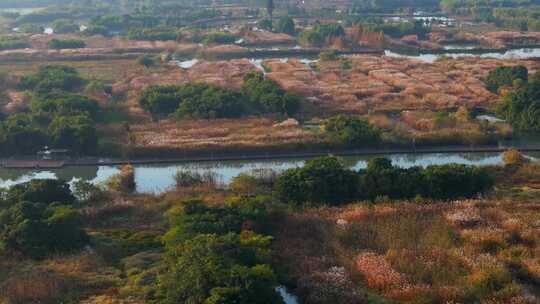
[13,42]
[58,44]
[285,25]
[521,105]
[37,219]
[519,15]
[57,117]
[326,181]
[155,34]
[258,95]
[351,131]
[505,76]
[219,38]
[65,26]
[159,21]
[215,256]
[321,34]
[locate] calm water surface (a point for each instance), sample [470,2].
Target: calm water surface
[524,53]
[159,178]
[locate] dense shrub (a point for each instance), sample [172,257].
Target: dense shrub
[211,102]
[321,33]
[505,77]
[13,42]
[164,99]
[21,135]
[37,230]
[64,104]
[58,118]
[521,106]
[227,268]
[66,44]
[31,28]
[215,247]
[146,60]
[196,217]
[219,38]
[286,25]
[322,180]
[64,26]
[75,132]
[37,221]
[311,38]
[266,96]
[437,182]
[124,181]
[50,77]
[155,34]
[258,95]
[351,131]
[187,179]
[45,191]
[326,181]
[398,30]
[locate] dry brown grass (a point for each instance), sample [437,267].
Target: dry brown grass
[218,134]
[105,70]
[35,286]
[460,252]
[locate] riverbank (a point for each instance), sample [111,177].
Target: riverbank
[26,163]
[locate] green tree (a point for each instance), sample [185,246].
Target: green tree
[286,25]
[64,104]
[352,131]
[321,181]
[216,269]
[37,230]
[58,44]
[22,135]
[146,61]
[50,77]
[64,26]
[213,102]
[521,106]
[75,132]
[160,99]
[31,28]
[45,191]
[214,257]
[266,96]
[505,77]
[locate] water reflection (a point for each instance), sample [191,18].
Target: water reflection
[159,178]
[524,53]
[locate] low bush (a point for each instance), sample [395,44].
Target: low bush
[37,230]
[327,181]
[216,247]
[505,77]
[219,38]
[188,179]
[124,181]
[58,44]
[351,131]
[64,26]
[13,42]
[155,34]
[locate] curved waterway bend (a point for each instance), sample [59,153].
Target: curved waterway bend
[158,178]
